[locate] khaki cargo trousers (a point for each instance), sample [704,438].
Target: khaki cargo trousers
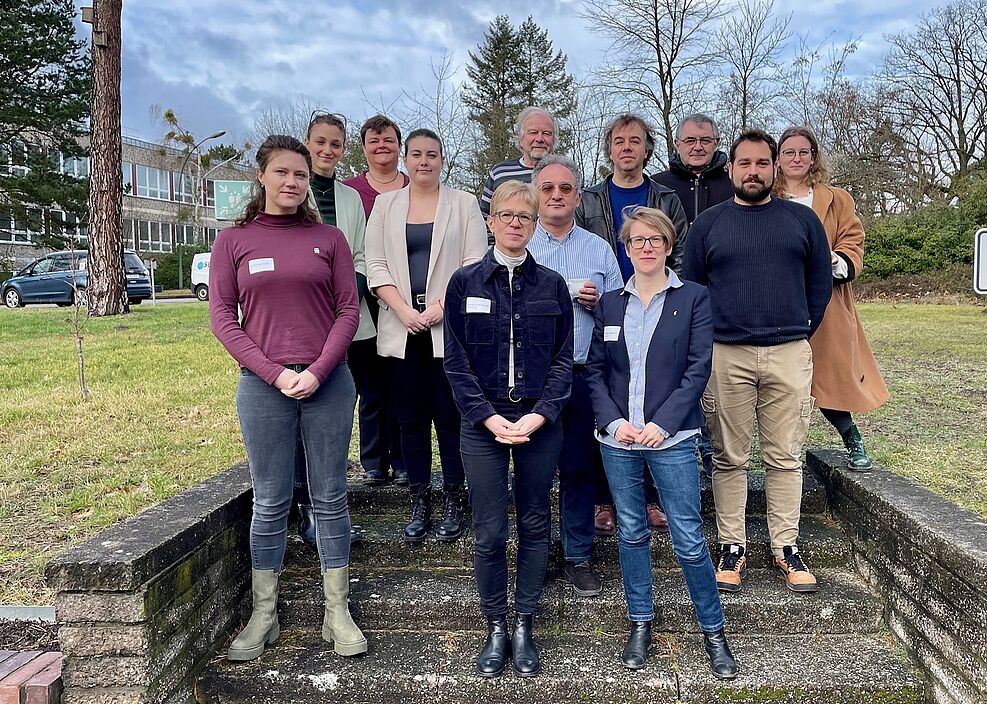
[771,384]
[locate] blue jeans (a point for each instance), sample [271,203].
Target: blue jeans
[677,481]
[270,423]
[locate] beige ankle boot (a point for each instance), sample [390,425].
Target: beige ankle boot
[338,626]
[262,628]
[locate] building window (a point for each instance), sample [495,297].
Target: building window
[184,187]
[185,234]
[210,194]
[211,236]
[153,183]
[19,231]
[13,158]
[128,234]
[66,225]
[128,178]
[77,166]
[153,236]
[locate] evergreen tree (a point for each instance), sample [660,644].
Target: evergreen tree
[512,69]
[43,108]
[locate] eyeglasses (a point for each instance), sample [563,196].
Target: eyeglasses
[656,242]
[507,217]
[803,153]
[705,141]
[549,188]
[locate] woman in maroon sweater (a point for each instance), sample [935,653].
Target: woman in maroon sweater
[293,281]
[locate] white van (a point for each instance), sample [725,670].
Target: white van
[200,276]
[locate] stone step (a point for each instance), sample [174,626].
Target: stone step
[447,599]
[424,668]
[390,498]
[381,544]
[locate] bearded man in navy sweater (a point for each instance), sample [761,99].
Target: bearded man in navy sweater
[766,263]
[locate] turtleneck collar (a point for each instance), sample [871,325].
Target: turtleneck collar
[321,181]
[509,262]
[279,221]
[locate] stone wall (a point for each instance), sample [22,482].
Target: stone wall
[927,559]
[144,605]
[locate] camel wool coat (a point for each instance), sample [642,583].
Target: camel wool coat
[845,376]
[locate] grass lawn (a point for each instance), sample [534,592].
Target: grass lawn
[161,418]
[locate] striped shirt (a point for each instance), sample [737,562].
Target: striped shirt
[640,324]
[514,169]
[579,256]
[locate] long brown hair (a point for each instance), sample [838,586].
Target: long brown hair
[818,172]
[273,144]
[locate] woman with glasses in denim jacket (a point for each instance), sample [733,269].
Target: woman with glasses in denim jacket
[416,238]
[509,360]
[648,364]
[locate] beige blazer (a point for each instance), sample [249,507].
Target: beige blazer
[459,237]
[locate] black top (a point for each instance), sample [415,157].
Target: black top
[698,192]
[324,190]
[419,237]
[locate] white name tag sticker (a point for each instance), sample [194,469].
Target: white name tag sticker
[611,333]
[259,265]
[477,305]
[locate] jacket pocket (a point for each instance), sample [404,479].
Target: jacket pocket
[543,317]
[480,327]
[710,410]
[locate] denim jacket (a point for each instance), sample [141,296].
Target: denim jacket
[479,309]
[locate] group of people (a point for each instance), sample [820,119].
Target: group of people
[623,337]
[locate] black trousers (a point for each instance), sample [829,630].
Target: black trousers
[486,462]
[421,396]
[380,443]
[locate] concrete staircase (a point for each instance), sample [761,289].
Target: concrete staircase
[418,607]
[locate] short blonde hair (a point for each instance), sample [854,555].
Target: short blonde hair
[653,218]
[509,189]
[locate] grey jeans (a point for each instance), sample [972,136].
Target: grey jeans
[270,423]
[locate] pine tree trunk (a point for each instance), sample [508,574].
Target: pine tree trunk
[107,289]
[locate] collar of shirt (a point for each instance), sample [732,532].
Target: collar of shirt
[673,282]
[489,265]
[542,232]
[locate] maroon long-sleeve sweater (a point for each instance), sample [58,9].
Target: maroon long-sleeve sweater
[296,288]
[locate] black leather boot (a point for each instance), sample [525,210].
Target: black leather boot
[638,642]
[421,513]
[306,524]
[523,651]
[720,658]
[452,523]
[493,658]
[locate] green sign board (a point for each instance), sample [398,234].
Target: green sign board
[231,198]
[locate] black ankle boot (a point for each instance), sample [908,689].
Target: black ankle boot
[638,641]
[720,658]
[493,657]
[421,513]
[452,523]
[523,650]
[306,524]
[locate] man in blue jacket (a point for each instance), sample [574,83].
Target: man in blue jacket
[766,263]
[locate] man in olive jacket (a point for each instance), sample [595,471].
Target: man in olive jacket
[630,144]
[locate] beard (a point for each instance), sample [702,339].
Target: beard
[744,192]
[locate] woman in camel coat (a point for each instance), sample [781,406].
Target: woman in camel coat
[845,377]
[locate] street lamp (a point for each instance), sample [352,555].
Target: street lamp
[194,149]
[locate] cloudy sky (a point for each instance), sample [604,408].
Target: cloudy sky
[221,63]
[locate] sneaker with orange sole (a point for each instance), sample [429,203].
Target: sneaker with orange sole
[791,569]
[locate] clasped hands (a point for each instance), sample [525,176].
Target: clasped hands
[649,436]
[297,385]
[416,322]
[514,433]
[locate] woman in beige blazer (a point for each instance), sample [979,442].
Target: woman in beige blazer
[416,238]
[845,377]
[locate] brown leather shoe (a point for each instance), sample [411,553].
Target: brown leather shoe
[604,520]
[731,568]
[793,571]
[657,520]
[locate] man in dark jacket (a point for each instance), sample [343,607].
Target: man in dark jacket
[630,143]
[697,170]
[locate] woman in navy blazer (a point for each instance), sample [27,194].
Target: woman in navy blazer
[648,364]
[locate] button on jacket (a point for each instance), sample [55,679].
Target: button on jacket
[479,310]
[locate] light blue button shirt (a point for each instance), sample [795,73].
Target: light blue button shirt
[640,324]
[580,255]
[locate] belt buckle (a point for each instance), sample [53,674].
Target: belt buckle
[420,300]
[510,395]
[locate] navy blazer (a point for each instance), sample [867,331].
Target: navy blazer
[680,356]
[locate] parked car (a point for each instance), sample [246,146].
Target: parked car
[200,276]
[50,280]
